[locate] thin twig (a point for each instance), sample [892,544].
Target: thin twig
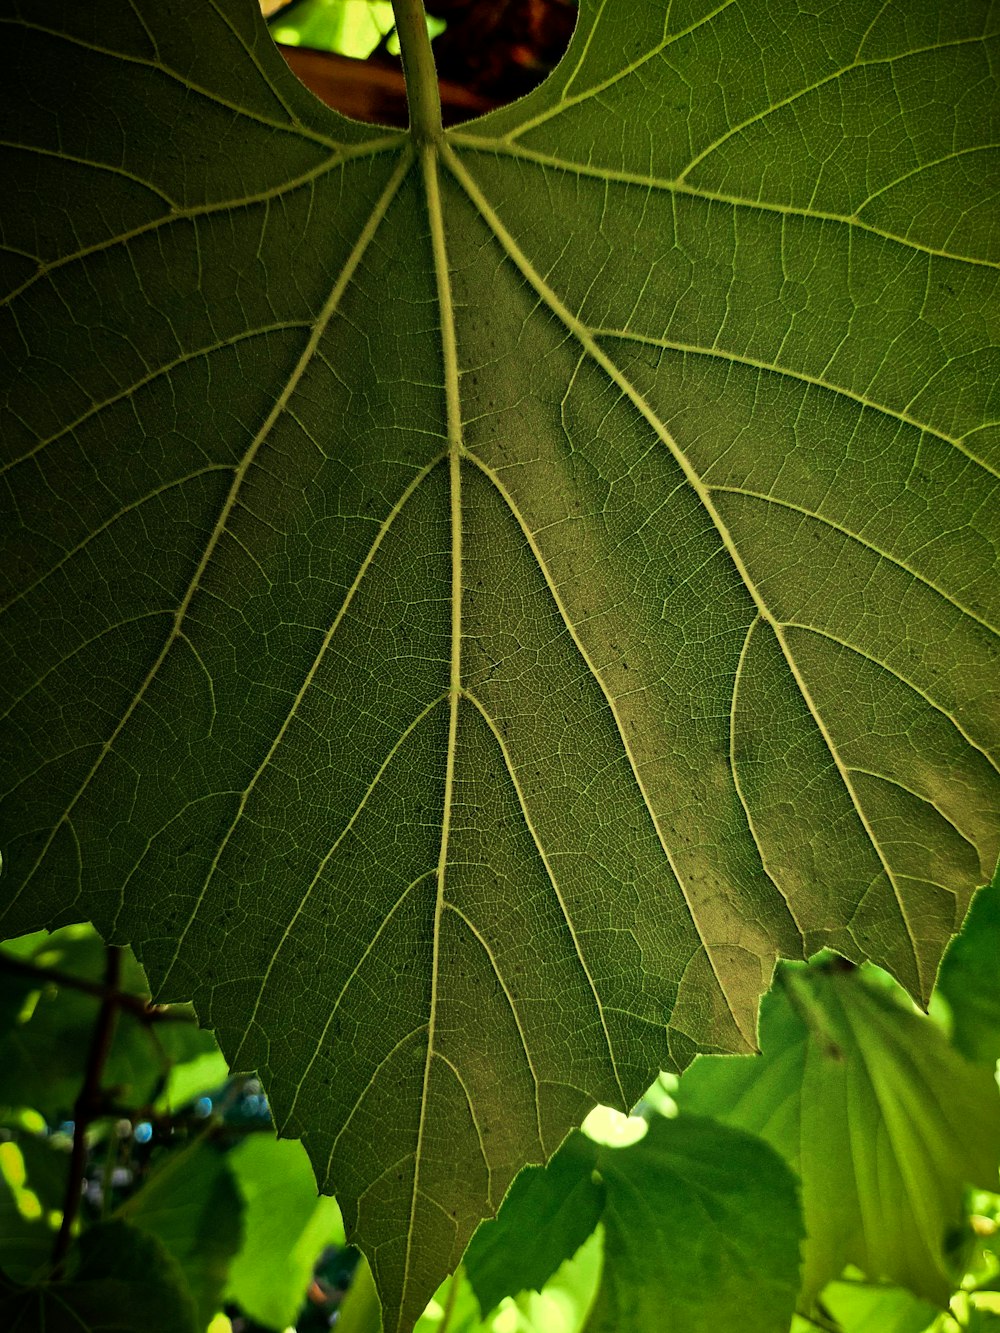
[136,1005]
[88,1105]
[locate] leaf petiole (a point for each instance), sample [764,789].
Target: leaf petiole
[422,94]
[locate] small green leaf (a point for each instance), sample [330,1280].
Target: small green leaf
[547,1215]
[125,1281]
[702,1232]
[883,1121]
[361,1311]
[286,1226]
[863,1307]
[970,979]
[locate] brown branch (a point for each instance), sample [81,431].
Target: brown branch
[88,1105]
[136,1005]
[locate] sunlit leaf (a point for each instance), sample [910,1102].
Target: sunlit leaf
[860,1307]
[883,1121]
[286,1227]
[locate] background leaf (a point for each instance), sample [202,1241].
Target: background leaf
[509,588]
[884,1123]
[190,1203]
[860,1307]
[684,1246]
[43,1046]
[701,1229]
[125,1280]
[547,1215]
[970,979]
[286,1227]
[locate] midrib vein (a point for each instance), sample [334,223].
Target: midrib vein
[319,328]
[588,343]
[449,358]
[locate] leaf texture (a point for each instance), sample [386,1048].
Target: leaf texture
[472,605]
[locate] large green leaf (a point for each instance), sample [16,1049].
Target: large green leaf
[883,1121]
[475,600]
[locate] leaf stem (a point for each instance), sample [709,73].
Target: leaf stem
[422,94]
[88,1105]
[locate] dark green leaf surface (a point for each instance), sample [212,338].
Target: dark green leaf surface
[504,590]
[701,1230]
[25,1243]
[190,1203]
[43,1048]
[883,1121]
[970,979]
[547,1215]
[125,1281]
[32,1190]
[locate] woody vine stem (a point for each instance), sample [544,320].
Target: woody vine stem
[88,1105]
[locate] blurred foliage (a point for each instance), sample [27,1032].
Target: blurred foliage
[355,28]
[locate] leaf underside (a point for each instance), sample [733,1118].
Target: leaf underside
[471,607]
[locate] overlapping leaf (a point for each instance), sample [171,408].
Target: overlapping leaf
[883,1121]
[970,979]
[125,1279]
[473,604]
[684,1244]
